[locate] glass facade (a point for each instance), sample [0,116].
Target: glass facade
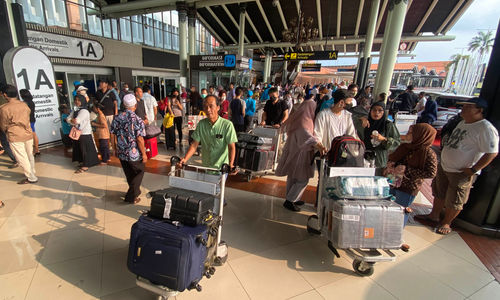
[159,30]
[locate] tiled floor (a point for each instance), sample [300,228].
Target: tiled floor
[67,237]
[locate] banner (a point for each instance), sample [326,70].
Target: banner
[29,68]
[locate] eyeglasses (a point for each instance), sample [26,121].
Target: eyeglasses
[378,110]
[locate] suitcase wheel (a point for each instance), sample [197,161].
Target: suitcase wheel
[312,223]
[363,268]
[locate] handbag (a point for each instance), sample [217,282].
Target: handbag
[152,131]
[168,120]
[75,133]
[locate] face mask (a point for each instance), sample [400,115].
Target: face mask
[203,96]
[126,89]
[223,98]
[348,106]
[83,93]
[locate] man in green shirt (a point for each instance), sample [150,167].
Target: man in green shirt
[217,137]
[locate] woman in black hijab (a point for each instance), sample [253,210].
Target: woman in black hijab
[379,134]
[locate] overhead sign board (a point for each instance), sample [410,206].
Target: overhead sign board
[218,62]
[311,67]
[312,55]
[29,68]
[55,45]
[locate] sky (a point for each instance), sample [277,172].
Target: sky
[481,15]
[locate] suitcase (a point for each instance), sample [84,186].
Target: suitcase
[263,143]
[357,187]
[166,254]
[368,224]
[188,207]
[151,147]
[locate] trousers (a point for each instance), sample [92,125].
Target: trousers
[6,146]
[295,189]
[23,152]
[134,172]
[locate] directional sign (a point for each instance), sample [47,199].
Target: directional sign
[311,67]
[312,55]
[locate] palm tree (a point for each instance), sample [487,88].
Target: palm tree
[482,43]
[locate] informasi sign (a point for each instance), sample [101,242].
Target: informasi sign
[29,68]
[55,45]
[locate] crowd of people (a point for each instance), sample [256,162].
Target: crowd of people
[116,122]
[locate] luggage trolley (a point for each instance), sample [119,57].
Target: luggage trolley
[267,132]
[363,259]
[205,180]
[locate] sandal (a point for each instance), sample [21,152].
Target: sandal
[81,170]
[26,181]
[443,230]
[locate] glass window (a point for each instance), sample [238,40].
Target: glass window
[125,30]
[158,30]
[32,10]
[148,30]
[114,25]
[106,28]
[137,33]
[168,37]
[55,10]
[95,26]
[76,15]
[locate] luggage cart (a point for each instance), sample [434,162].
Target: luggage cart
[363,259]
[205,180]
[268,132]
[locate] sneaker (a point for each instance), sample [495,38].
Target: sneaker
[299,203]
[13,166]
[290,206]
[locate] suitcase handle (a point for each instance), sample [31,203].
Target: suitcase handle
[174,160]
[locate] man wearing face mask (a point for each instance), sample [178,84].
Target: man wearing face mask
[124,92]
[275,111]
[204,94]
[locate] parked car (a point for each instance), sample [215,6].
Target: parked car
[447,107]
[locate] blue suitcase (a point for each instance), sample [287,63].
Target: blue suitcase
[166,254]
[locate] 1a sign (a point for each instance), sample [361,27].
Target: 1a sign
[312,55]
[29,68]
[55,45]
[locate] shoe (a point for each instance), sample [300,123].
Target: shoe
[13,166]
[26,181]
[137,200]
[37,154]
[299,203]
[290,206]
[405,247]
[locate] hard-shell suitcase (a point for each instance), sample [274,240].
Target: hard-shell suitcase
[166,254]
[151,148]
[368,224]
[188,207]
[261,143]
[357,187]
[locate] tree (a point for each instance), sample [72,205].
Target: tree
[482,43]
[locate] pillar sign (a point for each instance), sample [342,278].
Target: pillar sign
[29,68]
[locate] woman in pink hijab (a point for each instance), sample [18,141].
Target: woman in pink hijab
[295,162]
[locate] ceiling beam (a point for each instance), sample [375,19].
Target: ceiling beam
[221,24]
[339,15]
[459,15]
[230,15]
[450,15]
[424,19]
[358,20]
[347,41]
[297,4]
[266,20]
[320,23]
[380,16]
[282,16]
[253,27]
[210,29]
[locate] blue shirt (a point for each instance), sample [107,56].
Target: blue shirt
[127,127]
[118,99]
[66,127]
[250,107]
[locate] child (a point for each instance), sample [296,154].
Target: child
[65,127]
[102,132]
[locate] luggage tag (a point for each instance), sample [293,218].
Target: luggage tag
[344,154]
[168,207]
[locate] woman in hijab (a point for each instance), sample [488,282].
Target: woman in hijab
[429,115]
[379,135]
[420,163]
[295,162]
[84,150]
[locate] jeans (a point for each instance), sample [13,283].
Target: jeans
[6,146]
[178,126]
[403,199]
[104,149]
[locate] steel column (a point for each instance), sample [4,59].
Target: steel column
[241,38]
[183,51]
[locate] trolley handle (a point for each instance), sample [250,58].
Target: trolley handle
[174,160]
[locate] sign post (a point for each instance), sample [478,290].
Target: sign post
[29,68]
[312,55]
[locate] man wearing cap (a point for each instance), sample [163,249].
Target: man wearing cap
[129,132]
[472,146]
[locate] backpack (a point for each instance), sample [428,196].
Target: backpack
[346,151]
[448,128]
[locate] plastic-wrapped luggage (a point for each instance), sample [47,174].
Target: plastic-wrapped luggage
[188,207]
[371,224]
[357,187]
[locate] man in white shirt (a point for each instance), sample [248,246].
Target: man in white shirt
[472,146]
[334,122]
[422,100]
[150,104]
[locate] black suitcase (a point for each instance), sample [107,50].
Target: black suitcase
[188,207]
[165,254]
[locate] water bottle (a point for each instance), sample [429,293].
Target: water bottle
[374,140]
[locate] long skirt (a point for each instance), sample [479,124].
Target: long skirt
[84,151]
